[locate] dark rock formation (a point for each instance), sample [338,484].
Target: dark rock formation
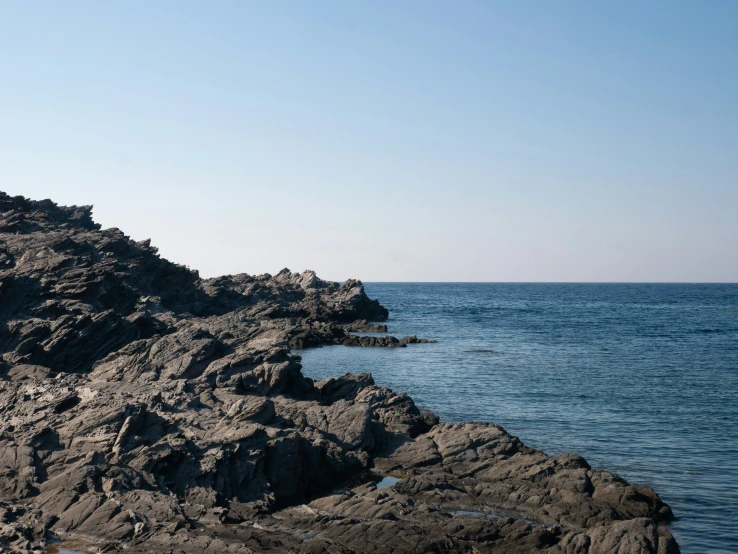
[363,326]
[390,341]
[148,410]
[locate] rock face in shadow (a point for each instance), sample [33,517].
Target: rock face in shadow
[148,410]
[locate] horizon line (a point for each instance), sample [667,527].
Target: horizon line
[548,282]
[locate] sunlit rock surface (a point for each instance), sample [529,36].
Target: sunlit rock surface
[148,410]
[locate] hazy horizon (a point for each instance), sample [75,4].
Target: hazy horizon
[411,142]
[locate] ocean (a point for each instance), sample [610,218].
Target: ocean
[640,379]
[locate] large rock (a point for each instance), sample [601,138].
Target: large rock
[146,409]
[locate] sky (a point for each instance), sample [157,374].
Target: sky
[384,140]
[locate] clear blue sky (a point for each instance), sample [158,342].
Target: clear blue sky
[411,140]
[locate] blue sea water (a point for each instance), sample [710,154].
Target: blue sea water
[640,379]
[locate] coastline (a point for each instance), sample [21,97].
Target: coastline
[148,409]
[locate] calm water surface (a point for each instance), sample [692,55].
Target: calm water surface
[641,380]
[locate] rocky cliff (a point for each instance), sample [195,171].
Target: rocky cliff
[145,409]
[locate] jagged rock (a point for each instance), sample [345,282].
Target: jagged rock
[148,410]
[362,326]
[388,341]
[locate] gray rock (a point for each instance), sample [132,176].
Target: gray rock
[147,409]
[363,326]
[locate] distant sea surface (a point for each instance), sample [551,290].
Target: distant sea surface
[640,379]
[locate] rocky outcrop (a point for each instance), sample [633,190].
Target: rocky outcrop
[363,326]
[388,341]
[143,408]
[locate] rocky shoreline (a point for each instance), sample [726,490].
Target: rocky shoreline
[143,409]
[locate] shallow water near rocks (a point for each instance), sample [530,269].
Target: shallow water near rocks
[70,545]
[387,481]
[640,379]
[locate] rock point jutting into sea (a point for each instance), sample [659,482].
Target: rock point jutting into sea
[144,409]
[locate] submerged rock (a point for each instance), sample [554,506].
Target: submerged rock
[146,409]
